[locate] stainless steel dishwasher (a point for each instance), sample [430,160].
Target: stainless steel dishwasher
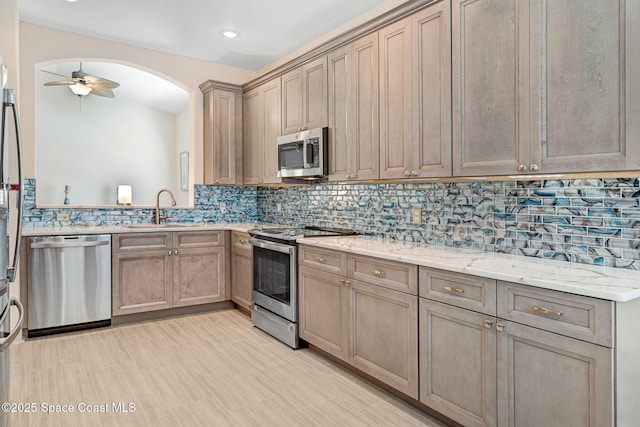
[69,283]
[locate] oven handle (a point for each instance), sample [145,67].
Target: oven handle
[4,344]
[272,246]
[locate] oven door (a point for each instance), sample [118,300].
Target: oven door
[275,278]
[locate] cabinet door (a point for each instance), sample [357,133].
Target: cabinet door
[314,93]
[340,152]
[199,276]
[383,335]
[241,277]
[291,83]
[271,105]
[572,384]
[323,310]
[578,84]
[431,53]
[222,137]
[252,156]
[396,137]
[364,136]
[490,113]
[141,281]
[458,363]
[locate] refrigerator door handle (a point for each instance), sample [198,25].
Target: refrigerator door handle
[9,101]
[5,343]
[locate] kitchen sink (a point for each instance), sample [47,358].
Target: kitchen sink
[165,225]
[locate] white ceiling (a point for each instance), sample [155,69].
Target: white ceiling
[270,29]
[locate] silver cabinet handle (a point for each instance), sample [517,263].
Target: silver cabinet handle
[169,253]
[320,260]
[534,167]
[378,273]
[455,291]
[488,324]
[546,311]
[522,168]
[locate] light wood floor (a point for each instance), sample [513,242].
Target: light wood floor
[211,369]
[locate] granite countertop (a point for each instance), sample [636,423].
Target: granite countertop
[136,228]
[614,284]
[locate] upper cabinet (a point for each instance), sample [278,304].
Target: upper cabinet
[543,87]
[304,97]
[415,95]
[261,130]
[222,133]
[353,110]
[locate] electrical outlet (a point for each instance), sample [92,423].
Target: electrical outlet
[416,217]
[223,207]
[278,207]
[62,217]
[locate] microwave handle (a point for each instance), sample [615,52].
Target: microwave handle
[307,153]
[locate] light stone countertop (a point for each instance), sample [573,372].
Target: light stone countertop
[142,228]
[614,284]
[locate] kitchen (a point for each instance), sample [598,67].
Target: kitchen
[588,221]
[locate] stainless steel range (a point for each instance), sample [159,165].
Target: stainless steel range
[275,278]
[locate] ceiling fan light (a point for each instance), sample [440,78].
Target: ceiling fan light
[80,89]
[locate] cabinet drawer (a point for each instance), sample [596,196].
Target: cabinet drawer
[198,239]
[462,290]
[584,318]
[240,240]
[389,274]
[141,241]
[323,259]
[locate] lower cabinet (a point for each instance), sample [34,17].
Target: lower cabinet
[370,326]
[241,270]
[483,370]
[155,271]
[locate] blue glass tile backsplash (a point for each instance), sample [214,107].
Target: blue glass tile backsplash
[591,221]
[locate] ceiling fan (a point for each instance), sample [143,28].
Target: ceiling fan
[83,84]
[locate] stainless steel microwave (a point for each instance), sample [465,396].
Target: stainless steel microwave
[303,154]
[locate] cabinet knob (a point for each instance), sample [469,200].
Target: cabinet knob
[321,260]
[522,168]
[345,282]
[170,253]
[534,167]
[378,273]
[488,324]
[414,173]
[217,181]
[407,173]
[175,252]
[243,241]
[499,326]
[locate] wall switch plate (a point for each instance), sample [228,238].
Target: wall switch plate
[223,207]
[416,216]
[62,217]
[278,207]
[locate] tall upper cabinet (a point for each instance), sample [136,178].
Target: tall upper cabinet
[543,87]
[353,110]
[261,127]
[415,95]
[304,96]
[222,133]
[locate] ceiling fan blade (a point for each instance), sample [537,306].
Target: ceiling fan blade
[107,93]
[65,83]
[94,80]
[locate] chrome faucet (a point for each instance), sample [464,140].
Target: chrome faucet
[159,217]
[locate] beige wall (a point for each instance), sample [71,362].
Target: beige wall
[41,44]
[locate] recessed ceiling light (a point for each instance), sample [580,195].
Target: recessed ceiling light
[72,1]
[229,34]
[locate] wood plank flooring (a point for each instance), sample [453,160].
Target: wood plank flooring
[211,369]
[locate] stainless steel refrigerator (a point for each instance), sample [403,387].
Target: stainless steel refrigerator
[9,140]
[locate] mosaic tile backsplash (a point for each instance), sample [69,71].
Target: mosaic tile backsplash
[591,221]
[240,207]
